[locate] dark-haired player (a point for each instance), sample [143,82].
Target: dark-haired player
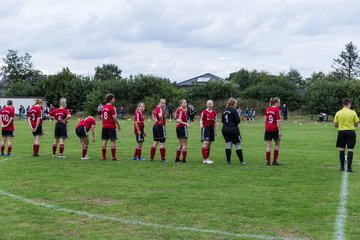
[82,131]
[230,130]
[35,123]
[208,130]
[61,115]
[7,124]
[139,130]
[181,131]
[272,130]
[159,130]
[346,120]
[109,125]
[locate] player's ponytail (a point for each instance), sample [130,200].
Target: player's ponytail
[231,102]
[273,101]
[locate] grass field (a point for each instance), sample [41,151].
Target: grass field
[51,198]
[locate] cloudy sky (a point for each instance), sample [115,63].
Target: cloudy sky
[180,39]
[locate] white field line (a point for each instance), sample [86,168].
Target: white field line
[135,222]
[341,216]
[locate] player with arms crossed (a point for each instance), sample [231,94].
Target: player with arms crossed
[109,125]
[61,115]
[181,131]
[208,130]
[35,123]
[159,130]
[139,130]
[82,131]
[346,120]
[7,124]
[272,130]
[230,130]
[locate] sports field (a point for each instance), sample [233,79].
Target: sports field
[51,198]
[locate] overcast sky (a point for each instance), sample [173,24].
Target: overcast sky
[180,39]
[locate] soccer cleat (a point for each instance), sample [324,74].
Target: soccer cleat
[53,155]
[85,158]
[62,156]
[242,162]
[104,159]
[151,160]
[141,159]
[9,155]
[349,170]
[184,161]
[36,155]
[208,161]
[2,154]
[163,161]
[114,159]
[177,160]
[135,158]
[267,163]
[275,163]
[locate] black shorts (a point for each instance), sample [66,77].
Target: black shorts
[231,134]
[140,137]
[81,132]
[60,130]
[108,133]
[39,131]
[6,133]
[208,134]
[182,132]
[271,135]
[346,138]
[159,133]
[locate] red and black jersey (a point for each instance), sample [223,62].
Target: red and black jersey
[87,122]
[157,112]
[139,118]
[208,118]
[60,114]
[272,115]
[108,113]
[8,113]
[34,114]
[180,114]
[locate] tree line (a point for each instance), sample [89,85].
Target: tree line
[321,92]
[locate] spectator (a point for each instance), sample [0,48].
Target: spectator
[321,117]
[100,107]
[284,111]
[170,109]
[21,108]
[121,113]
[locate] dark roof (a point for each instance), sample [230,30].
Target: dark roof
[207,77]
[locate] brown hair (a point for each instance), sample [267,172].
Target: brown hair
[346,101]
[274,100]
[9,102]
[231,102]
[108,97]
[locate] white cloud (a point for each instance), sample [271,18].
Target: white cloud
[180,39]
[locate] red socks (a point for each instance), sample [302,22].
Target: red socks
[2,149]
[204,152]
[61,149]
[103,151]
[36,149]
[162,153]
[137,153]
[84,150]
[9,149]
[276,154]
[184,152]
[113,153]
[178,152]
[152,153]
[268,154]
[54,148]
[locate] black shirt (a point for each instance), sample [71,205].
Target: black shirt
[230,117]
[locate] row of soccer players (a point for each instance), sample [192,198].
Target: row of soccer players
[230,130]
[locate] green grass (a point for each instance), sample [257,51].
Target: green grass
[297,200]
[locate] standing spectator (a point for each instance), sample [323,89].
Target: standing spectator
[272,129]
[284,111]
[346,120]
[51,108]
[170,110]
[21,112]
[7,124]
[191,113]
[208,130]
[139,130]
[121,113]
[239,112]
[35,122]
[61,115]
[159,130]
[181,131]
[27,110]
[230,131]
[109,124]
[100,109]
[82,131]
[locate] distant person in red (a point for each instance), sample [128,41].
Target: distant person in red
[82,131]
[159,130]
[35,122]
[109,125]
[61,115]
[272,130]
[181,131]
[7,124]
[208,130]
[139,130]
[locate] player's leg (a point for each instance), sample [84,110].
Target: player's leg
[178,151]
[276,152]
[3,141]
[37,145]
[103,148]
[54,146]
[341,144]
[184,149]
[113,149]
[268,152]
[61,147]
[153,150]
[9,140]
[162,150]
[350,144]
[228,152]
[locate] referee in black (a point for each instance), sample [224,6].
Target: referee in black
[230,130]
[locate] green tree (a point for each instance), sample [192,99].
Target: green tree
[347,65]
[244,78]
[107,72]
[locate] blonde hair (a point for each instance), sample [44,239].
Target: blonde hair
[274,100]
[180,102]
[138,106]
[38,102]
[62,102]
[231,102]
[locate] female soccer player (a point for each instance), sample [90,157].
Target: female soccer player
[272,130]
[7,124]
[35,123]
[139,130]
[159,130]
[61,116]
[208,130]
[231,119]
[181,131]
[82,131]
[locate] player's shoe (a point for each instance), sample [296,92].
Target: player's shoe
[135,158]
[208,161]
[183,161]
[114,159]
[177,160]
[2,154]
[242,162]
[85,158]
[275,163]
[341,169]
[9,155]
[163,160]
[36,155]
[62,156]
[349,170]
[152,160]
[53,155]
[141,159]
[104,159]
[267,163]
